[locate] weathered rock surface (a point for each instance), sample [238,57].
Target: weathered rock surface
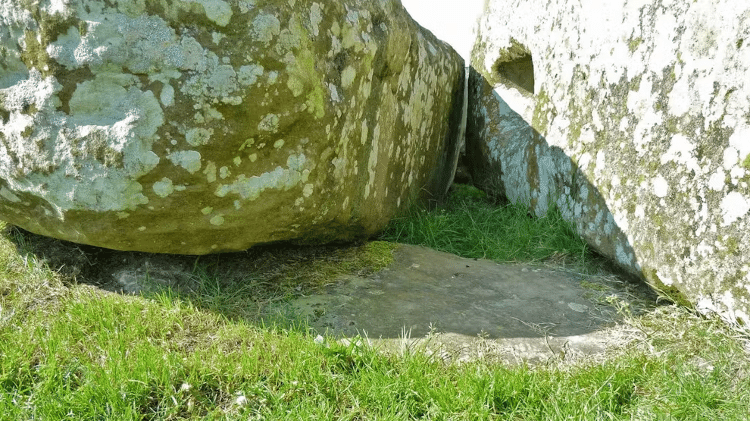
[207,125]
[474,308]
[633,117]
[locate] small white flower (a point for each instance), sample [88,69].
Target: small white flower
[319,340]
[241,400]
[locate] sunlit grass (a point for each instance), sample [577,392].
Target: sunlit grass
[72,351]
[470,225]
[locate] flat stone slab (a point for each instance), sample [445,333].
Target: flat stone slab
[465,308]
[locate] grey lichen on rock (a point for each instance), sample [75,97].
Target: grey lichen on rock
[639,131]
[208,125]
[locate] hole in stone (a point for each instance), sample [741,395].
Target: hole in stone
[516,67]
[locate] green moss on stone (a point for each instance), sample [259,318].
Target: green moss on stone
[316,96]
[732,246]
[326,264]
[29,109]
[540,119]
[714,140]
[532,172]
[96,146]
[669,292]
[304,73]
[34,56]
[633,44]
[4,114]
[514,52]
[635,83]
[679,59]
[83,28]
[746,162]
[576,123]
[51,27]
[498,72]
[377,255]
[658,220]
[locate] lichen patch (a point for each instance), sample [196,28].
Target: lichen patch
[189,160]
[163,187]
[218,11]
[266,27]
[733,207]
[250,188]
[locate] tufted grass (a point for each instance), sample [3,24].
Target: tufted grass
[469,224]
[72,351]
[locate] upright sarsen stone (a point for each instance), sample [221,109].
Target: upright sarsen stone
[633,117]
[204,126]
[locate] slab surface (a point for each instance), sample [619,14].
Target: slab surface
[462,305]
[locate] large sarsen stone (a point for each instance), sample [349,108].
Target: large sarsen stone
[633,117]
[207,125]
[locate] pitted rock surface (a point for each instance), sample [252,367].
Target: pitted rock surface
[633,118]
[204,126]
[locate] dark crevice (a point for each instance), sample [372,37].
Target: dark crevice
[519,72]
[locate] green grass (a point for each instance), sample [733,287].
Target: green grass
[72,351]
[469,224]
